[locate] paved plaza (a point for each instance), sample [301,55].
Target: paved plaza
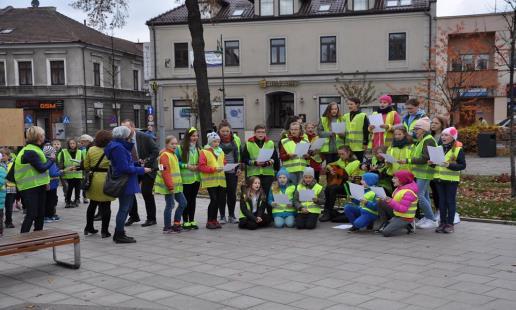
[487,165]
[327,268]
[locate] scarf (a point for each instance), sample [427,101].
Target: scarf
[400,143]
[384,111]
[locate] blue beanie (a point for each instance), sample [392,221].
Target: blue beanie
[282,171]
[371,179]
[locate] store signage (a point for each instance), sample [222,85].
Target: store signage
[289,83]
[40,105]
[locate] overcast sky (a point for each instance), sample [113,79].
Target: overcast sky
[140,11]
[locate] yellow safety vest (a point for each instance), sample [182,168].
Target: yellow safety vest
[217,178]
[398,154]
[67,159]
[254,151]
[188,176]
[352,168]
[446,174]
[25,175]
[369,196]
[311,206]
[326,124]
[411,212]
[423,171]
[354,131]
[289,191]
[297,164]
[159,184]
[387,135]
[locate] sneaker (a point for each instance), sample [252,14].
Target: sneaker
[56,218]
[448,229]
[222,220]
[326,217]
[382,227]
[211,225]
[456,219]
[187,225]
[176,228]
[232,220]
[167,230]
[194,225]
[85,200]
[218,224]
[48,220]
[440,229]
[428,224]
[421,222]
[353,229]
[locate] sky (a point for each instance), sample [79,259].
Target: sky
[142,10]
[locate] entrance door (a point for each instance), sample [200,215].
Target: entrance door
[280,107]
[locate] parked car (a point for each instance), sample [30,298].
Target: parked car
[507,122]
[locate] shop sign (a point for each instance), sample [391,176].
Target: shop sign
[40,105]
[289,83]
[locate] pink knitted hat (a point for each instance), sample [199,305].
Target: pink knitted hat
[386,98]
[452,131]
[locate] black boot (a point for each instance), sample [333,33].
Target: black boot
[326,217]
[120,237]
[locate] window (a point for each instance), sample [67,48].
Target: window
[238,12]
[266,7]
[57,72]
[360,5]
[278,52]
[325,101]
[137,119]
[456,64]
[286,7]
[136,80]
[328,49]
[397,46]
[181,113]
[231,53]
[6,30]
[24,73]
[482,62]
[96,74]
[181,55]
[3,82]
[324,7]
[235,112]
[468,64]
[391,3]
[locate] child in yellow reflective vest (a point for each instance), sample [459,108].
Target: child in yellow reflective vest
[10,187]
[283,214]
[447,178]
[253,206]
[400,150]
[287,147]
[390,119]
[168,182]
[308,211]
[363,213]
[69,159]
[315,160]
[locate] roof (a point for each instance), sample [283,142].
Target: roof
[46,25]
[308,9]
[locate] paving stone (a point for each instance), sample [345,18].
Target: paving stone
[272,294]
[155,294]
[383,304]
[243,302]
[312,303]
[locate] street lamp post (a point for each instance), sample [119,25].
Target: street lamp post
[220,50]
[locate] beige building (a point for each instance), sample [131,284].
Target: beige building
[471,41]
[281,57]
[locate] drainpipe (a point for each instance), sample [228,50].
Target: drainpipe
[84,90]
[429,83]
[155,94]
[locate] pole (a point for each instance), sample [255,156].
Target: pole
[223,86]
[511,104]
[113,76]
[161,131]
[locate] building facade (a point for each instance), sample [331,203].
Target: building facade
[282,57]
[61,73]
[475,66]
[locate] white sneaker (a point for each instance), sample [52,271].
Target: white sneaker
[456,219]
[428,224]
[420,222]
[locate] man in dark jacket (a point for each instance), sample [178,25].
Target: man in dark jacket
[145,153]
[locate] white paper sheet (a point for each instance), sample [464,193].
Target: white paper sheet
[388,158]
[357,191]
[230,167]
[343,226]
[338,127]
[306,195]
[318,144]
[282,198]
[376,120]
[302,148]
[379,191]
[436,154]
[264,155]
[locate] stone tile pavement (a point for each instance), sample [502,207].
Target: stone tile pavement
[475,268]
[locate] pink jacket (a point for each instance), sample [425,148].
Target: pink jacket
[403,205]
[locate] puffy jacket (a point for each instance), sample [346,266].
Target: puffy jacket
[407,199]
[54,173]
[118,152]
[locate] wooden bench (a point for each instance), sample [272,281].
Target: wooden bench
[50,238]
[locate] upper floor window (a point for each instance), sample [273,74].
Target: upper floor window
[398,46]
[468,62]
[181,55]
[278,52]
[24,72]
[286,7]
[3,82]
[324,7]
[231,53]
[360,5]
[391,3]
[57,72]
[482,62]
[266,7]
[96,74]
[136,80]
[328,49]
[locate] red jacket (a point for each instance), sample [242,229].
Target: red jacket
[203,162]
[163,159]
[284,156]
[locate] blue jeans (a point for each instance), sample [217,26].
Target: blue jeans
[125,203]
[359,217]
[281,221]
[169,206]
[423,196]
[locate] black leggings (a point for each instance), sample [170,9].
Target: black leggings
[231,190]
[34,201]
[245,223]
[217,201]
[190,191]
[51,202]
[105,213]
[9,201]
[73,184]
[306,221]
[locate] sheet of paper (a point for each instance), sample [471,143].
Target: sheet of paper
[306,195]
[302,149]
[282,198]
[376,120]
[436,154]
[388,158]
[343,226]
[357,191]
[264,155]
[230,167]
[338,127]
[379,191]
[318,144]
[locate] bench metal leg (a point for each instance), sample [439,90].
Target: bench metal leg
[76,254]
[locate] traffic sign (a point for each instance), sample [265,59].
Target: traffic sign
[66,120]
[28,119]
[113,119]
[150,110]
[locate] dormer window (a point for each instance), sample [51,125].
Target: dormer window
[266,7]
[286,7]
[324,8]
[394,3]
[360,5]
[238,12]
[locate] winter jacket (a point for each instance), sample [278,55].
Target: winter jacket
[3,174]
[54,174]
[403,205]
[118,152]
[260,209]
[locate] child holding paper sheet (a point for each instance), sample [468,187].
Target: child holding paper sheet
[287,147]
[390,119]
[363,213]
[283,214]
[315,156]
[308,211]
[399,150]
[447,179]
[334,141]
[253,207]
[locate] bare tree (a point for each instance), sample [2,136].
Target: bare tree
[103,13]
[357,87]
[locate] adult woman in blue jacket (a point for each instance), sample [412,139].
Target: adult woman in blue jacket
[118,151]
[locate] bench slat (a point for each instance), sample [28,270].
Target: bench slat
[37,236]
